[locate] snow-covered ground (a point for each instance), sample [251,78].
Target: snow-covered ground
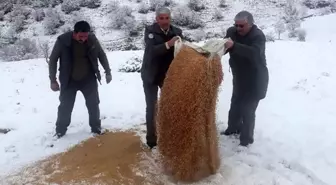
[295,141]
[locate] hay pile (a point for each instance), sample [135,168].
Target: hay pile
[186,129]
[112,158]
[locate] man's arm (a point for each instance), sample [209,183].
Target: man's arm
[229,33]
[155,50]
[180,34]
[54,56]
[102,56]
[253,51]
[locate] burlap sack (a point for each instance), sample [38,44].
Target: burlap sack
[186,129]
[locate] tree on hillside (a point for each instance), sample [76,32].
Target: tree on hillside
[292,17]
[45,48]
[280,28]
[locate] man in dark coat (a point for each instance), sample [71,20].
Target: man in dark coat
[159,38]
[250,75]
[78,52]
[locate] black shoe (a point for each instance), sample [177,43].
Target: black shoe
[97,131]
[151,145]
[246,143]
[229,132]
[59,135]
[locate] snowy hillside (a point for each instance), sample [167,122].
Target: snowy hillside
[29,28]
[295,127]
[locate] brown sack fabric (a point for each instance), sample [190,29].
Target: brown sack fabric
[186,128]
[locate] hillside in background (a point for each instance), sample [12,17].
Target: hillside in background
[28,28]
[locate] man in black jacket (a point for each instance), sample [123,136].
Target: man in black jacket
[159,38]
[250,75]
[78,52]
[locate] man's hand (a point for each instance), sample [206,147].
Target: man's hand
[229,44]
[171,42]
[108,78]
[54,86]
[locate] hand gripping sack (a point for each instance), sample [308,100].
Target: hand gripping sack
[186,128]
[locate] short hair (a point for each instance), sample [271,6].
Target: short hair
[245,15]
[82,26]
[162,10]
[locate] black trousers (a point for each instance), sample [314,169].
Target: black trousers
[89,89]
[151,96]
[242,116]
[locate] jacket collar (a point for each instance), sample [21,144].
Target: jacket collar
[157,29]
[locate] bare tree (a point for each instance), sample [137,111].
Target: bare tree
[45,48]
[280,27]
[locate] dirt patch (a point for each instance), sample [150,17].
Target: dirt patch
[113,158]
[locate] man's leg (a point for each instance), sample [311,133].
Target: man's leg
[247,131]
[151,92]
[90,92]
[67,99]
[235,116]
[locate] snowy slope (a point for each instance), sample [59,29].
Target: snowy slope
[295,125]
[266,13]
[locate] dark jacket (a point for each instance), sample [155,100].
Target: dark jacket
[248,63]
[62,51]
[157,57]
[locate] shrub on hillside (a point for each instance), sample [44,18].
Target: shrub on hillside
[2,15]
[314,4]
[45,3]
[69,6]
[333,7]
[6,6]
[168,2]
[52,21]
[301,34]
[21,50]
[19,23]
[218,15]
[113,6]
[8,36]
[132,27]
[132,65]
[91,3]
[222,3]
[196,5]
[38,14]
[153,4]
[293,27]
[143,8]
[270,37]
[183,16]
[292,17]
[121,17]
[19,10]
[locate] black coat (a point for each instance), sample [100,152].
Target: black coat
[62,51]
[248,63]
[157,57]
